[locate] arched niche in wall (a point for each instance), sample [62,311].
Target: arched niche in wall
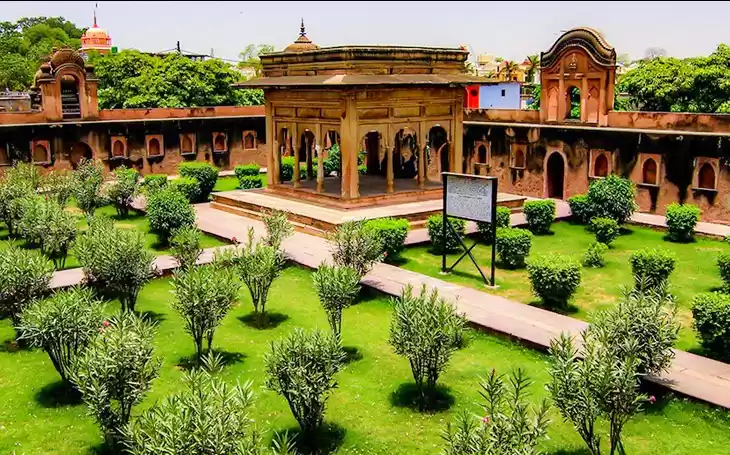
[649,172]
[706,173]
[154,145]
[518,158]
[40,151]
[220,142]
[249,140]
[188,144]
[601,164]
[119,147]
[4,155]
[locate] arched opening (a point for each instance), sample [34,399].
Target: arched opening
[553,105]
[519,159]
[306,151]
[248,141]
[70,105]
[186,145]
[153,147]
[649,172]
[79,152]
[284,142]
[332,157]
[405,156]
[555,176]
[572,103]
[482,153]
[706,177]
[118,149]
[438,149]
[220,143]
[40,154]
[600,167]
[4,157]
[372,150]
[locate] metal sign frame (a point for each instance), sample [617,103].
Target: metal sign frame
[447,226]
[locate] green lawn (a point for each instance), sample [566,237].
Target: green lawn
[365,406]
[229,183]
[135,220]
[695,271]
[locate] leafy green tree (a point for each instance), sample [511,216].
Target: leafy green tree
[250,57]
[89,178]
[123,189]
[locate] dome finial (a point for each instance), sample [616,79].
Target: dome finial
[302,32]
[95,6]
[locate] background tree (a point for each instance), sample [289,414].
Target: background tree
[250,58]
[532,67]
[654,52]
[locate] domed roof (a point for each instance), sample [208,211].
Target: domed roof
[66,55]
[587,38]
[95,32]
[302,43]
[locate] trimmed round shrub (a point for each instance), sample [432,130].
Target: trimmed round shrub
[248,182]
[392,233]
[513,246]
[580,208]
[449,243]
[593,256]
[167,211]
[605,229]
[205,173]
[485,228]
[286,169]
[247,169]
[651,267]
[554,278]
[154,182]
[190,188]
[612,197]
[723,265]
[681,221]
[540,215]
[711,314]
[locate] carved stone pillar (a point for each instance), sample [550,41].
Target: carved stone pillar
[389,168]
[421,167]
[320,170]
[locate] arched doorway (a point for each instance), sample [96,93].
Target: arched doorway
[555,176]
[438,144]
[405,156]
[70,105]
[572,103]
[80,151]
[372,150]
[482,152]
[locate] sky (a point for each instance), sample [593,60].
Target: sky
[511,30]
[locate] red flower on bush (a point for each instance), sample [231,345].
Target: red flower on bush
[486,420]
[652,399]
[105,323]
[234,240]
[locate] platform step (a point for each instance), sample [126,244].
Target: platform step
[300,227]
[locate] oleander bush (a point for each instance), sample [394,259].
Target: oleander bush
[651,267]
[612,197]
[337,288]
[352,245]
[58,186]
[205,173]
[168,210]
[711,315]
[185,246]
[606,230]
[392,233]
[681,221]
[554,279]
[540,215]
[122,190]
[593,256]
[448,243]
[88,181]
[485,227]
[513,246]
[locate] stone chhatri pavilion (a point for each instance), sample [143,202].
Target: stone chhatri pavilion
[399,108]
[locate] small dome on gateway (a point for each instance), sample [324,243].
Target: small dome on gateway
[302,43]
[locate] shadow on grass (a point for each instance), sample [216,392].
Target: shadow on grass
[101,449]
[397,261]
[566,310]
[367,294]
[407,396]
[666,238]
[326,440]
[58,394]
[623,230]
[11,345]
[352,354]
[152,316]
[581,451]
[263,322]
[190,362]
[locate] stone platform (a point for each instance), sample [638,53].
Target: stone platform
[313,217]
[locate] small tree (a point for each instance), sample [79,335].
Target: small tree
[612,197]
[123,189]
[645,318]
[115,260]
[337,288]
[24,277]
[603,384]
[651,267]
[185,246]
[605,229]
[353,246]
[426,329]
[32,221]
[168,210]
[19,181]
[208,417]
[302,369]
[205,173]
[88,181]
[58,236]
[203,297]
[115,371]
[509,425]
[258,265]
[63,326]
[278,228]
[59,186]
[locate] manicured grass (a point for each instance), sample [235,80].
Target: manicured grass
[230,183]
[695,270]
[364,408]
[135,220]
